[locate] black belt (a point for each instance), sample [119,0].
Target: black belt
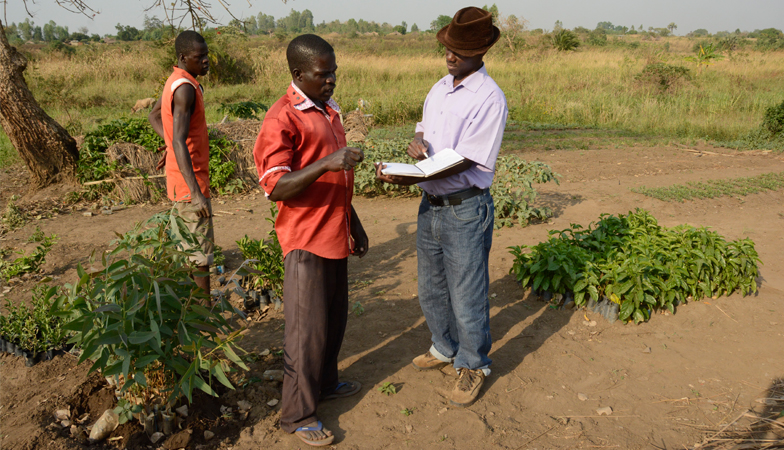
[453,199]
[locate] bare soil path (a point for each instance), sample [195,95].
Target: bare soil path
[707,363]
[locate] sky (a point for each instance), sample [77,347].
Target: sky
[688,15]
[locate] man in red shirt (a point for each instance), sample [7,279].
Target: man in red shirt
[178,117]
[305,166]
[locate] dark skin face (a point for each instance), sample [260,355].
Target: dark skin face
[318,80]
[460,66]
[196,62]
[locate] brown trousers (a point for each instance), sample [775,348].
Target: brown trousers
[315,292]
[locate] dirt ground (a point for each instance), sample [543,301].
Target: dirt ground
[670,382]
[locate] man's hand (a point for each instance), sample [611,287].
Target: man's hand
[417,149]
[161,162]
[199,204]
[344,159]
[361,241]
[395,179]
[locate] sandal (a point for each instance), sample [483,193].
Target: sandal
[344,389]
[315,443]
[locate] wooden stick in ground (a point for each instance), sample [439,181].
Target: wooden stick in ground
[114,180]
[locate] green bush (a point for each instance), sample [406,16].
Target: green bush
[269,256]
[641,266]
[597,37]
[770,39]
[773,121]
[27,263]
[138,314]
[564,40]
[92,154]
[242,110]
[663,76]
[36,328]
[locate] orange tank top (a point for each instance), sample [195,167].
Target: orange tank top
[197,141]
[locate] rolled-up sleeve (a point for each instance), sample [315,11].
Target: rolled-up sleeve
[482,139]
[273,153]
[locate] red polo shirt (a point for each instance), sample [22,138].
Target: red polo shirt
[294,135]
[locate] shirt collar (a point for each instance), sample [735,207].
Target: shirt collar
[473,82]
[302,102]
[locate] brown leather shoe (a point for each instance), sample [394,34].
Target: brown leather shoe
[467,388]
[427,362]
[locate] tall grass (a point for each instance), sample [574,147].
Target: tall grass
[593,87]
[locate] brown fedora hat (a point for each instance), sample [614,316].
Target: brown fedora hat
[470,33]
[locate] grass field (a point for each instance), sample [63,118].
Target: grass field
[594,88]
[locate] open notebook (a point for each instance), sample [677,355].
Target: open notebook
[439,162]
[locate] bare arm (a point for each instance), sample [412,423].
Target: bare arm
[155,118]
[293,183]
[183,103]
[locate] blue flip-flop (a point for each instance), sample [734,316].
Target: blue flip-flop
[353,388]
[319,443]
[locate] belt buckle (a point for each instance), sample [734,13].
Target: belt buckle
[435,200]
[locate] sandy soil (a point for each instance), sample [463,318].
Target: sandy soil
[707,364]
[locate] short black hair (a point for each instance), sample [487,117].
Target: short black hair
[304,49]
[187,41]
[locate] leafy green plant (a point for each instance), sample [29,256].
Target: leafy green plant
[222,169]
[92,154]
[13,216]
[27,263]
[242,110]
[141,318]
[773,121]
[735,187]
[387,389]
[705,56]
[126,409]
[663,76]
[358,309]
[564,40]
[269,257]
[407,411]
[37,236]
[34,328]
[513,191]
[632,261]
[598,37]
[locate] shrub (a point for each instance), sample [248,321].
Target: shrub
[242,110]
[564,40]
[637,264]
[770,39]
[36,328]
[27,263]
[663,76]
[597,37]
[140,317]
[773,120]
[269,256]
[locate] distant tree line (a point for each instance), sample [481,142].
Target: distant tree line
[28,31]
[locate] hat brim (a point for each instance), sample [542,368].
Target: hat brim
[443,37]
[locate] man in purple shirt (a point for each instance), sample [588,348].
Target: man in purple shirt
[465,111]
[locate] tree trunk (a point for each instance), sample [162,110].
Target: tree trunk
[48,150]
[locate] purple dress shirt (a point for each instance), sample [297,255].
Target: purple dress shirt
[470,119]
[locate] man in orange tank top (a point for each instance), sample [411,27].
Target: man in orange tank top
[178,117]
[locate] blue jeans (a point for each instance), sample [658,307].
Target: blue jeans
[453,247]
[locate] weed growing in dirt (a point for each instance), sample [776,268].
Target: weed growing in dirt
[141,318]
[36,328]
[512,188]
[269,257]
[27,263]
[13,216]
[37,236]
[634,262]
[735,187]
[387,389]
[358,309]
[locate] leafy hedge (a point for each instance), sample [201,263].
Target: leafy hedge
[634,262]
[512,189]
[92,154]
